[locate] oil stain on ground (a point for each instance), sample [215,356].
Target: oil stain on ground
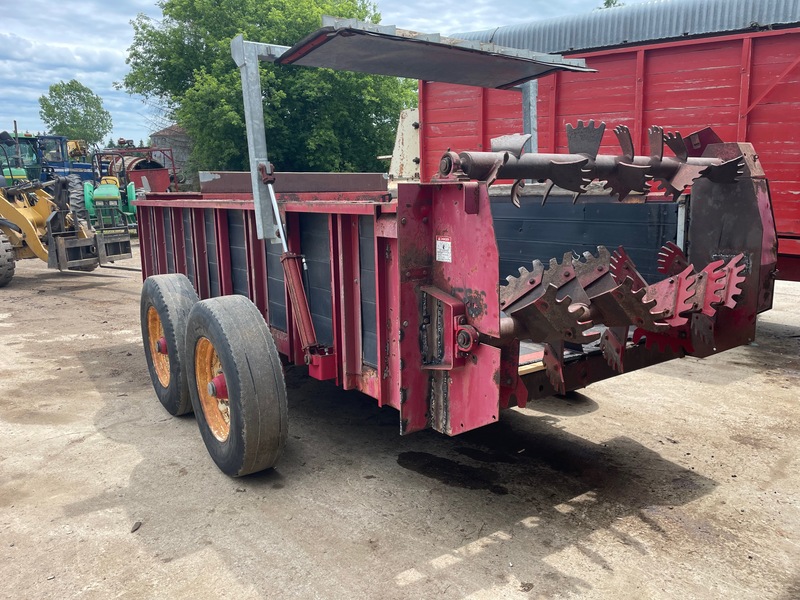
[450,472]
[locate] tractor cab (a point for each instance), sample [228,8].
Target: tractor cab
[62,156]
[19,158]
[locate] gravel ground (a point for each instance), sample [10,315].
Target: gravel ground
[679,481]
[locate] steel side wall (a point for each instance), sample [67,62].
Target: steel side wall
[213,241]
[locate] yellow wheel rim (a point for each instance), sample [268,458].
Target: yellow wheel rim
[155,331]
[216,410]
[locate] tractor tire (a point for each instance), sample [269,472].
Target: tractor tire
[77,202]
[7,261]
[164,311]
[236,384]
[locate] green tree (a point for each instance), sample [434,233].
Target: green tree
[71,109]
[316,119]
[611,3]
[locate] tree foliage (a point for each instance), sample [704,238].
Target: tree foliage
[316,119]
[71,109]
[611,3]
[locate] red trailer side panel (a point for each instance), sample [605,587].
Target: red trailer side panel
[462,117]
[746,86]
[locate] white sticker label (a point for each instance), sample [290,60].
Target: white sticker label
[444,248]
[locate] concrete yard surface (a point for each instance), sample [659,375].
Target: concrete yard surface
[678,481]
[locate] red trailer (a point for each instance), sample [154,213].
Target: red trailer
[399,295]
[148,168]
[684,65]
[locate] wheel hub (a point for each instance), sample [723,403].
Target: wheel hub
[218,388]
[212,389]
[158,346]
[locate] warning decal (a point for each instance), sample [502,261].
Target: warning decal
[444,248]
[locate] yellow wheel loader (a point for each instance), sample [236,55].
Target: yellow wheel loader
[49,221]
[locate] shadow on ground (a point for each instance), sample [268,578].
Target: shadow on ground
[396,505]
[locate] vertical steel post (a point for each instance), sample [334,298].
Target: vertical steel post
[247,55]
[530,122]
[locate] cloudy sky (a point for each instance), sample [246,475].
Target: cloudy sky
[47,41]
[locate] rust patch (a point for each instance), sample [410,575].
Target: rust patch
[412,256]
[474,301]
[496,377]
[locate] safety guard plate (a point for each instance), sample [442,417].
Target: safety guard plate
[350,45]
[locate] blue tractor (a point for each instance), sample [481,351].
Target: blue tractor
[61,156]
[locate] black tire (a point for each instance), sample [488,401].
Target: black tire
[77,205]
[7,261]
[77,201]
[165,303]
[256,408]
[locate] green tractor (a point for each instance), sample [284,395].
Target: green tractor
[109,199]
[21,162]
[109,203]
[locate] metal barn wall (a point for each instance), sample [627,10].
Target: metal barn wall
[745,85]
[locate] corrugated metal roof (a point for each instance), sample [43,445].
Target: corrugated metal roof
[650,21]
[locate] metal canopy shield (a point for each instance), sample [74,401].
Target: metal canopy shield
[350,45]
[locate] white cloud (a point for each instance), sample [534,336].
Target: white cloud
[48,41]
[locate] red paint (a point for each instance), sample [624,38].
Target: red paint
[438,385]
[322,366]
[746,86]
[462,117]
[292,270]
[256,256]
[178,240]
[160,246]
[146,235]
[305,49]
[789,266]
[223,252]
[348,266]
[404,248]
[157,179]
[414,256]
[220,387]
[202,280]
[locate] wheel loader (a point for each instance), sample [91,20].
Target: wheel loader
[49,221]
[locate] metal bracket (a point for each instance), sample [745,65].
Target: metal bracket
[449,325]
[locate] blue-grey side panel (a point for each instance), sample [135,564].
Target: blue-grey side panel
[211,252]
[369,315]
[275,286]
[168,240]
[545,232]
[315,245]
[236,240]
[187,238]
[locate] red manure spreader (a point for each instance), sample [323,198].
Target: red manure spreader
[404,294]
